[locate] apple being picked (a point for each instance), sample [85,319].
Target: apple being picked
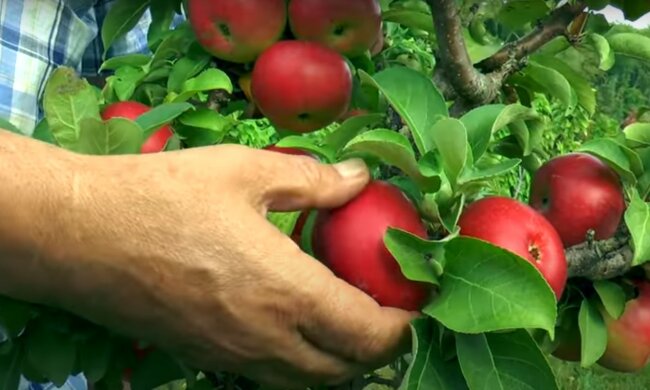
[301,86]
[628,337]
[350,241]
[578,192]
[348,26]
[515,226]
[237,30]
[132,110]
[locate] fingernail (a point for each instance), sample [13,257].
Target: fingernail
[351,168]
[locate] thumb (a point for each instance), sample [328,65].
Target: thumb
[291,183]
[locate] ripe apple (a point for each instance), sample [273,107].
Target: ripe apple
[577,192]
[132,110]
[237,30]
[628,337]
[517,227]
[347,26]
[350,241]
[378,46]
[301,86]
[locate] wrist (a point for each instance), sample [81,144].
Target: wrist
[37,186]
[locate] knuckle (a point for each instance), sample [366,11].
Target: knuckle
[311,172]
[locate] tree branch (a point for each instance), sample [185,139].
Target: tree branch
[456,75]
[599,260]
[555,26]
[454,62]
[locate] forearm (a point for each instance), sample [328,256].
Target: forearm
[36,184]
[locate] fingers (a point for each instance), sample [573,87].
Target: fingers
[287,182]
[347,322]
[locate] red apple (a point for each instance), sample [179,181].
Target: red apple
[237,30]
[578,192]
[301,86]
[350,241]
[517,227]
[132,110]
[628,337]
[378,46]
[347,26]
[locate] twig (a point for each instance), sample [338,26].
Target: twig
[599,260]
[555,26]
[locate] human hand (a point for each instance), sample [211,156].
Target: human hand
[174,248]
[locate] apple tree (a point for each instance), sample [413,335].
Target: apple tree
[438,97]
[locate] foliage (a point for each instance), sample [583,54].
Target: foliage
[495,316]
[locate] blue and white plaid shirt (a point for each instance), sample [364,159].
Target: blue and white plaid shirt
[37,36]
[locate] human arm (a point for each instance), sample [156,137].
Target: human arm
[181,236]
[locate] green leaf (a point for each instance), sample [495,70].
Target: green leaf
[632,9]
[94,356]
[160,116]
[285,222]
[6,125]
[612,296]
[349,129]
[450,139]
[637,219]
[586,94]
[125,81]
[410,18]
[393,149]
[554,46]
[177,43]
[479,125]
[112,137]
[42,132]
[10,368]
[478,51]
[593,334]
[14,316]
[135,60]
[631,45]
[517,13]
[604,50]
[612,153]
[414,97]
[475,174]
[504,361]
[418,258]
[187,67]
[120,19]
[307,144]
[67,101]
[551,82]
[515,116]
[156,370]
[497,290]
[638,134]
[162,16]
[429,369]
[209,80]
[204,127]
[52,353]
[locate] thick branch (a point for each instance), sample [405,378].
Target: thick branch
[556,25]
[598,260]
[454,61]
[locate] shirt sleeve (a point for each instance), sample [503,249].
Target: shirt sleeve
[36,37]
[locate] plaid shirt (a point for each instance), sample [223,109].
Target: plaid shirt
[37,36]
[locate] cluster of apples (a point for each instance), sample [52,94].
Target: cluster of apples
[571,197]
[301,81]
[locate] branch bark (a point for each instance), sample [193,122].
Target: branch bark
[555,26]
[455,66]
[599,260]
